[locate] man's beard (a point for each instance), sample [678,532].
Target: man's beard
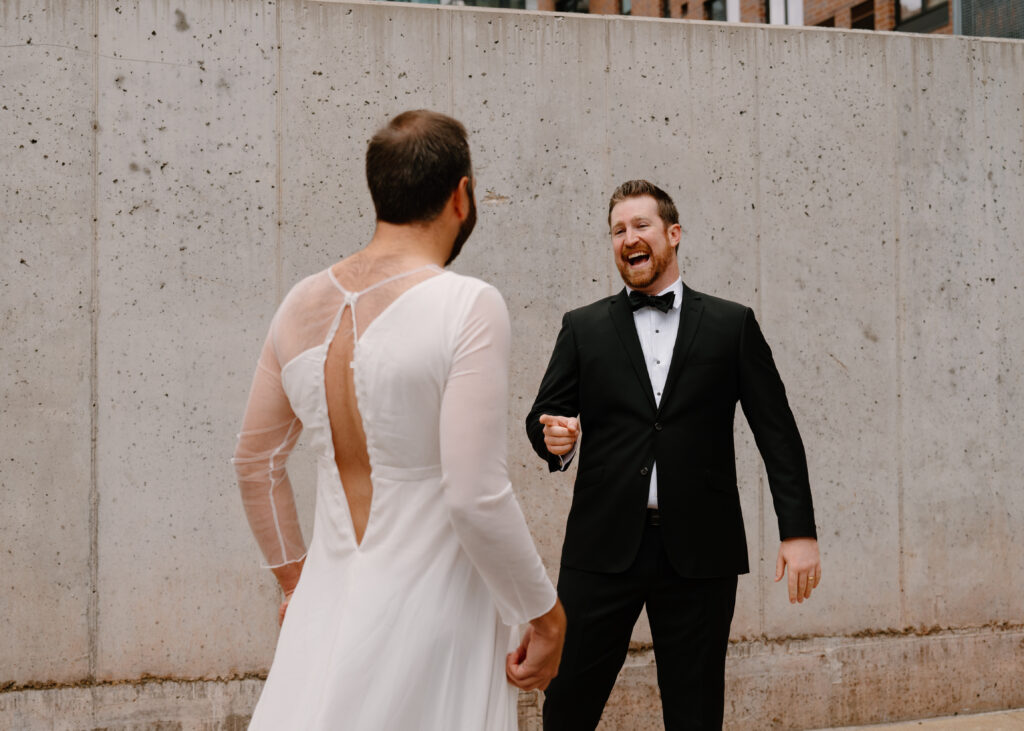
[639,280]
[465,229]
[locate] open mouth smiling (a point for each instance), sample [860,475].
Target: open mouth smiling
[638,258]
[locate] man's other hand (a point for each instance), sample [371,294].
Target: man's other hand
[283,608]
[801,556]
[535,662]
[560,433]
[288,577]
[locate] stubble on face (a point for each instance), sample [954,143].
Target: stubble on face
[465,229]
[642,272]
[642,244]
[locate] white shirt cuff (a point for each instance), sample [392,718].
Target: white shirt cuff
[564,460]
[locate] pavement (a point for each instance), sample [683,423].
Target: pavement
[998,721]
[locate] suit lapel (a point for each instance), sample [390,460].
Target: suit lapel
[689,319]
[625,328]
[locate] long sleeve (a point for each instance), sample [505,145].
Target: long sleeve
[557,395]
[482,505]
[269,432]
[764,403]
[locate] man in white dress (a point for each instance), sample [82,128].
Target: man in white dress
[401,613]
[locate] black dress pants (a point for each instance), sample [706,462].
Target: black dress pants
[689,620]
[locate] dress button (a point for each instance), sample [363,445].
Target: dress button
[657,426]
[643,471]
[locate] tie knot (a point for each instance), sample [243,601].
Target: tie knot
[660,302]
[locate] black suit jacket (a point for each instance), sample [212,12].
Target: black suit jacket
[720,359]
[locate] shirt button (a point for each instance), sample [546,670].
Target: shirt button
[657,426]
[643,471]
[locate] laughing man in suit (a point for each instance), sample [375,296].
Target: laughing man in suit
[654,373]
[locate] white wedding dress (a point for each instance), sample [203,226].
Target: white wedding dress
[408,628]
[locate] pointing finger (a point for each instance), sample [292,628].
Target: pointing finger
[557,431]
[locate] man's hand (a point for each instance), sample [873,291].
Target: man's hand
[288,577]
[283,608]
[535,661]
[801,556]
[560,433]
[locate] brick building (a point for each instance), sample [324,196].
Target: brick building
[994,18]
[918,16]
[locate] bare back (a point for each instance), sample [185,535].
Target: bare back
[371,285]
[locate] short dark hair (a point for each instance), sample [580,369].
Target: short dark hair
[414,163]
[637,188]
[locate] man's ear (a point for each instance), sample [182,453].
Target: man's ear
[462,198]
[675,235]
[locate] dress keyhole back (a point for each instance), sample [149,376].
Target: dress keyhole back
[362,304]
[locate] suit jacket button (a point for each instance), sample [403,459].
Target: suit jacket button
[643,471]
[657,426]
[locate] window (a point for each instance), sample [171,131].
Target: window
[827,23]
[995,18]
[514,4]
[784,12]
[912,8]
[684,10]
[714,10]
[921,16]
[863,16]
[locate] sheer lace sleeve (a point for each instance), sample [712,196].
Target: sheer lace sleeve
[482,506]
[269,432]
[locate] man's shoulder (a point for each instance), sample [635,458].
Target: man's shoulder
[310,289]
[597,305]
[595,310]
[464,291]
[718,304]
[466,283]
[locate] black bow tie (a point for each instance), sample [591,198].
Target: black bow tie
[661,302]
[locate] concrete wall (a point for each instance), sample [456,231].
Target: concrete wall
[168,169]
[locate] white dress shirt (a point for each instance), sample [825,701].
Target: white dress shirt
[657,333]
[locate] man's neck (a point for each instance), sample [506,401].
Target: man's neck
[665,280]
[654,288]
[415,243]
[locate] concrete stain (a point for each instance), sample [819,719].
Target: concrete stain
[145,680]
[234,722]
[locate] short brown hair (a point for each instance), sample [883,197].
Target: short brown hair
[637,188]
[414,163]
